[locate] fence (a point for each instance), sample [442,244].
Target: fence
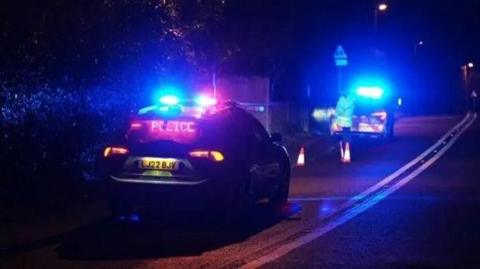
[279,117]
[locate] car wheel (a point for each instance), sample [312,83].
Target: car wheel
[242,198]
[389,133]
[280,193]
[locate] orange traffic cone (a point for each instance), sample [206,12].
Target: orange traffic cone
[301,157]
[346,156]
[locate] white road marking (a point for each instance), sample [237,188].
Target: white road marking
[358,209]
[319,198]
[395,174]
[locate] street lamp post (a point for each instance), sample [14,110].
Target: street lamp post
[466,74]
[382,7]
[466,77]
[416,46]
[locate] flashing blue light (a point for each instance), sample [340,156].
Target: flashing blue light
[374,92]
[169,95]
[169,100]
[134,218]
[371,88]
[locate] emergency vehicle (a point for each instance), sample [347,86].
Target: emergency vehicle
[374,113]
[194,155]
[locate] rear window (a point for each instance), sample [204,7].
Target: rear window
[368,108]
[184,130]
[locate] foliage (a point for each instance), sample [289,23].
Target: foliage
[71,72]
[50,137]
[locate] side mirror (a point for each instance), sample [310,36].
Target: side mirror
[276,137]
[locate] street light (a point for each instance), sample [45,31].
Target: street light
[382,7]
[467,72]
[417,45]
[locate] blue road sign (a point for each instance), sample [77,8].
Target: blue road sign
[340,57]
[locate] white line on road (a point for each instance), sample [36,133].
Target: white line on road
[371,201]
[319,198]
[407,166]
[392,176]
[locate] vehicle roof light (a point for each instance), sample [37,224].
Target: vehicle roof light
[205,101]
[170,100]
[374,92]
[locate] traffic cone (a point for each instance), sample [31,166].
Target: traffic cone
[346,157]
[301,157]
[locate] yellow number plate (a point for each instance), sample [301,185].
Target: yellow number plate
[158,164]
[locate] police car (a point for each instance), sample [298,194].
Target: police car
[374,114]
[194,155]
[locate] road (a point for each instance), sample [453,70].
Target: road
[412,203]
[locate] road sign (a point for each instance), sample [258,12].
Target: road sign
[340,57]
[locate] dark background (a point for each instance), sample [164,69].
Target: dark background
[72,71]
[138,45]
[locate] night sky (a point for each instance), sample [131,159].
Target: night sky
[143,42]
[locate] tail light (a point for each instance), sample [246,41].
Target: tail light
[381,114]
[109,151]
[335,127]
[135,125]
[215,156]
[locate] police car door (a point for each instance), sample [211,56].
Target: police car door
[265,168]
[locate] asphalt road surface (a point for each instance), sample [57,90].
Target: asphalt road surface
[411,203]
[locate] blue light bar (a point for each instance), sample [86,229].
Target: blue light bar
[374,92]
[169,100]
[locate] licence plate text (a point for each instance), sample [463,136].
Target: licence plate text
[158,164]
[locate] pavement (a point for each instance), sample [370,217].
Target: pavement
[411,203]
